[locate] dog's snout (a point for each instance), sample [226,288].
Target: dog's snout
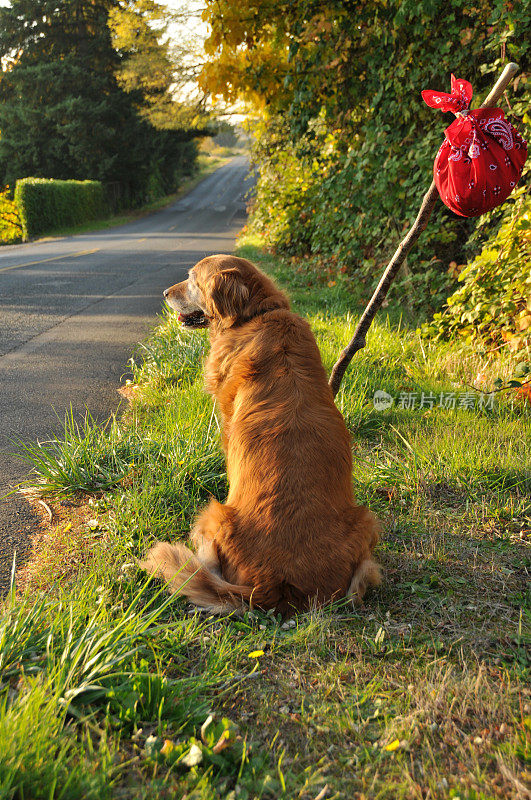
[166,292]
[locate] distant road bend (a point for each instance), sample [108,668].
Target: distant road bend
[72,310]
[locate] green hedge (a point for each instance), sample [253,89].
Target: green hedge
[46,205]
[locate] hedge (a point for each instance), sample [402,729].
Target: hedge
[46,205]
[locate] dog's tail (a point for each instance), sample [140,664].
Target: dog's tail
[186,575]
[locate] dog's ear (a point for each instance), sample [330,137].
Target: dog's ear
[228,293]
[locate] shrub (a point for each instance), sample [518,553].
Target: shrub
[493,304]
[345,149]
[312,198]
[10,225]
[45,205]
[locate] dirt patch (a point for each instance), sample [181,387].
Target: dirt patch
[19,523]
[66,541]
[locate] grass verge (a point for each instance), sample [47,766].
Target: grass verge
[110,690]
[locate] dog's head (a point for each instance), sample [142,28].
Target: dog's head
[224,290]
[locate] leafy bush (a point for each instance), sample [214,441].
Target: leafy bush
[10,225]
[45,205]
[332,201]
[345,147]
[493,304]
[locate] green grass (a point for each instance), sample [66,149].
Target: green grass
[107,687]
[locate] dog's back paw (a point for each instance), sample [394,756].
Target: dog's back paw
[368,573]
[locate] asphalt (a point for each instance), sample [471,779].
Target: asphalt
[72,311]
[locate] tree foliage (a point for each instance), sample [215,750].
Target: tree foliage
[75,105]
[138,30]
[151,65]
[62,113]
[10,223]
[345,145]
[44,205]
[493,302]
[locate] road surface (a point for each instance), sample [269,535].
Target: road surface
[71,312]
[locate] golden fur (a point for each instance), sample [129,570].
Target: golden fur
[289,535]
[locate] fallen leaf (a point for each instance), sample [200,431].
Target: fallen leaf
[523,323]
[226,739]
[152,746]
[525,392]
[129,392]
[193,757]
[392,746]
[167,747]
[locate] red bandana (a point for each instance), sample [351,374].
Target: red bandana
[482,158]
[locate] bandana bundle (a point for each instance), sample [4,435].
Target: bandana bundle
[482,157]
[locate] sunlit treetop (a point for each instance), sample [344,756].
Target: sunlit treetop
[275,53]
[248,50]
[342,59]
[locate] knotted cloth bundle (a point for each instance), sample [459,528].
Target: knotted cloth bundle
[482,157]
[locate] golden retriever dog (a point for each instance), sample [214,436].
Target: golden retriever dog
[289,535]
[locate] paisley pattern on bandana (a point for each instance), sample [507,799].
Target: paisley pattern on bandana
[482,157]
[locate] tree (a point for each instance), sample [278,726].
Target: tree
[138,28]
[248,50]
[154,67]
[62,112]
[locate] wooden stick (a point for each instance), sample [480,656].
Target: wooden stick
[430,198]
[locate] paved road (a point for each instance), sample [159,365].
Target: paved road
[72,310]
